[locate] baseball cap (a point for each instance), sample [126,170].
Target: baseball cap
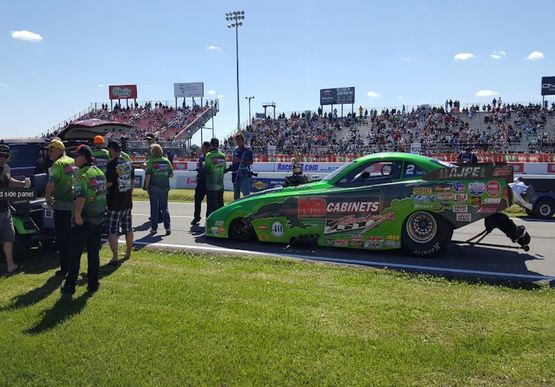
[150,136]
[84,150]
[214,141]
[4,150]
[114,144]
[98,140]
[57,144]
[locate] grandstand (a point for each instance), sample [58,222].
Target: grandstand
[432,130]
[506,128]
[174,127]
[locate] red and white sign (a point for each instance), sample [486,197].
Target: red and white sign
[122,92]
[550,167]
[493,188]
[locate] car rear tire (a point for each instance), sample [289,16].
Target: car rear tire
[241,230]
[544,208]
[425,233]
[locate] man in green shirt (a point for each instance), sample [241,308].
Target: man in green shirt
[88,218]
[59,195]
[215,167]
[158,172]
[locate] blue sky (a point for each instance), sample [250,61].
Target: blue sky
[392,52]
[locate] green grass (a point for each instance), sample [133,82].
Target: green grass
[189,319]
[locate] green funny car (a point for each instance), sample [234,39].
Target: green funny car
[379,202]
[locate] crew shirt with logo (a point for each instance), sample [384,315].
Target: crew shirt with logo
[160,169]
[215,168]
[90,183]
[62,173]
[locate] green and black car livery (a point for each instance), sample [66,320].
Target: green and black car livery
[379,202]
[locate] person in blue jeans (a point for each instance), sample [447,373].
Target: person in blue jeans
[241,168]
[158,172]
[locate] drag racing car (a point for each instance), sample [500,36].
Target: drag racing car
[381,201]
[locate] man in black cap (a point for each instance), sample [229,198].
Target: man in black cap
[88,219]
[200,189]
[120,178]
[7,232]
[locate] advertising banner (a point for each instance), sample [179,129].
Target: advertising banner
[187,90]
[122,92]
[548,85]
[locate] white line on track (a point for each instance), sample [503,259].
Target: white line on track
[387,265]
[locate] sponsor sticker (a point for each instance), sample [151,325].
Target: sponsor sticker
[460,197]
[458,186]
[341,242]
[219,223]
[476,200]
[464,217]
[392,237]
[492,200]
[422,190]
[424,198]
[493,188]
[476,188]
[392,244]
[502,171]
[488,209]
[445,196]
[460,208]
[461,173]
[318,207]
[262,227]
[277,229]
[442,188]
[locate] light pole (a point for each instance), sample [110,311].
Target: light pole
[235,18]
[250,117]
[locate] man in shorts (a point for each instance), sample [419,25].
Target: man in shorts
[120,178]
[7,232]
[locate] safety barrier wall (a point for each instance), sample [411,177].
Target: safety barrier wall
[269,179]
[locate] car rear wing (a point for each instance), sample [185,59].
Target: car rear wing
[472,171]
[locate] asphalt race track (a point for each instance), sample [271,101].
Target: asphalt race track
[471,262]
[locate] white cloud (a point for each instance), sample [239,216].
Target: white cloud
[3,85]
[497,54]
[407,59]
[486,93]
[100,85]
[27,36]
[215,48]
[211,92]
[220,96]
[535,55]
[463,56]
[400,97]
[372,94]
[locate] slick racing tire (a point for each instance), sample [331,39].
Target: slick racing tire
[425,234]
[544,208]
[241,230]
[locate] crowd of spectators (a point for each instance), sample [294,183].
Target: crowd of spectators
[167,122]
[500,127]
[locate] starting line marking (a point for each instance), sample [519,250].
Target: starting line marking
[384,265]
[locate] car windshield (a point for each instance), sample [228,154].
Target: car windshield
[331,175]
